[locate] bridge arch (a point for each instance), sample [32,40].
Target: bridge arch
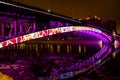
[84,29]
[76,68]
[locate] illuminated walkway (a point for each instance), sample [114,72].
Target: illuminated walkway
[82,29]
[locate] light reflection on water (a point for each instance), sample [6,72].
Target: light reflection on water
[53,52]
[37,50]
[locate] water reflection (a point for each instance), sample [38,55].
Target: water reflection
[50,59]
[58,48]
[79,49]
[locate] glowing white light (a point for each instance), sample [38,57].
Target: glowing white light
[49,10]
[100,43]
[116,44]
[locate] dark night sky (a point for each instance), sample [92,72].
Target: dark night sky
[105,9]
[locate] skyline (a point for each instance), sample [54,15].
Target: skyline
[80,9]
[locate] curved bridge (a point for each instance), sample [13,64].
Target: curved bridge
[86,66]
[82,29]
[76,68]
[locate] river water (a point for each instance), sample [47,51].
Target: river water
[46,59]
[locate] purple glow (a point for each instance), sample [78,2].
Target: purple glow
[20,25]
[87,64]
[53,23]
[3,29]
[15,27]
[88,30]
[101,36]
[34,26]
[83,66]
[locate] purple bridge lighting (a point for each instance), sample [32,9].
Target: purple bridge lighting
[18,25]
[81,29]
[77,68]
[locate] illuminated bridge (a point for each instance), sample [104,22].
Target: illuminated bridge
[20,23]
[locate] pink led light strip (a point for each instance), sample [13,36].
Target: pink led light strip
[48,32]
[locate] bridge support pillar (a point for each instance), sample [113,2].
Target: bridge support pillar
[15,27]
[20,28]
[34,25]
[3,30]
